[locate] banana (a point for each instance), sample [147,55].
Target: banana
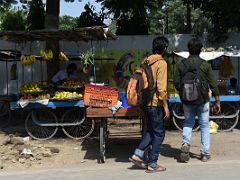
[50,54]
[41,53]
[63,57]
[33,59]
[46,55]
[27,60]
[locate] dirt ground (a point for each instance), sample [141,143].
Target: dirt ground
[18,151]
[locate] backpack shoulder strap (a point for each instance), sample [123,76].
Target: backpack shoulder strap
[138,76]
[154,61]
[200,61]
[186,65]
[198,64]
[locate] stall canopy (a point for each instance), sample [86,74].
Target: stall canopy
[77,34]
[209,55]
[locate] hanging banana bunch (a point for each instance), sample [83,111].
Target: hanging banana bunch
[27,59]
[46,55]
[63,56]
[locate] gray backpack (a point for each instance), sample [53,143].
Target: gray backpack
[192,90]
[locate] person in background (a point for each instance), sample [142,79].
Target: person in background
[68,73]
[155,112]
[202,108]
[232,88]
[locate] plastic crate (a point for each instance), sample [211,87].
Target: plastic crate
[100,96]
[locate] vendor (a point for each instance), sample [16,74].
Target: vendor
[232,88]
[68,73]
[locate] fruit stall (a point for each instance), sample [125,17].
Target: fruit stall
[220,61]
[80,104]
[41,97]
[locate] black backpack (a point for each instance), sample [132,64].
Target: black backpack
[140,88]
[193,90]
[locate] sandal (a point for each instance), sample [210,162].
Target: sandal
[157,169]
[138,163]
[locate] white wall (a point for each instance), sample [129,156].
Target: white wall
[177,42]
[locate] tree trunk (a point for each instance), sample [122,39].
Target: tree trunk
[52,22]
[189,22]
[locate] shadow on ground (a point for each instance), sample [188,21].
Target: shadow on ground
[120,149]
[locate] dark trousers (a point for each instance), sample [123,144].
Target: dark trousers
[154,136]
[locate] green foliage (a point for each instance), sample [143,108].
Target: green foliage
[36,15]
[224,15]
[87,58]
[13,20]
[173,15]
[131,15]
[67,22]
[90,18]
[6,4]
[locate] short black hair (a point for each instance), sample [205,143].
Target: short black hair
[72,66]
[159,45]
[195,46]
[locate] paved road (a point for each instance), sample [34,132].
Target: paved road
[213,170]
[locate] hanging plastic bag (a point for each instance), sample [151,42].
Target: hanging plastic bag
[213,127]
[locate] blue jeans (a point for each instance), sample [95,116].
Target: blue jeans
[154,136]
[202,111]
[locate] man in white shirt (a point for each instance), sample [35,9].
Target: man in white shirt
[68,73]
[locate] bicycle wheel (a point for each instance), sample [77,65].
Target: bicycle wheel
[41,124]
[227,124]
[5,114]
[178,109]
[77,126]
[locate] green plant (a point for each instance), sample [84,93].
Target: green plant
[87,58]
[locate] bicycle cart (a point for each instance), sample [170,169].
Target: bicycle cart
[42,121]
[227,119]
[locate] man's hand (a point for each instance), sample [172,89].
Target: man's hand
[165,107]
[218,107]
[167,112]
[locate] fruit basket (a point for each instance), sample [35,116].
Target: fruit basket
[100,96]
[33,88]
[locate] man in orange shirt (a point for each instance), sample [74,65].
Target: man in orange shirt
[155,111]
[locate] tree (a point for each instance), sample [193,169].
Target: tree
[224,15]
[90,18]
[172,18]
[6,4]
[131,15]
[36,15]
[67,22]
[52,22]
[13,20]
[156,21]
